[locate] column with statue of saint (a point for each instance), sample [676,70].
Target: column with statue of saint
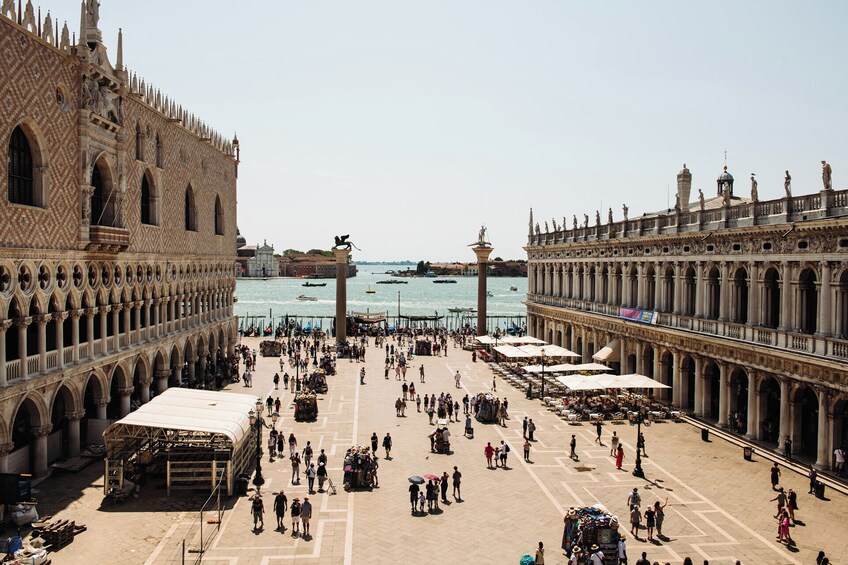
[482,249]
[342,251]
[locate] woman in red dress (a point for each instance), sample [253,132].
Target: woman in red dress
[619,457]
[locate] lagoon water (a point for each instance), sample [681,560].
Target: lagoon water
[278,296]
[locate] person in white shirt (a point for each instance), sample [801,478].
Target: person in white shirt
[839,455]
[622,552]
[597,556]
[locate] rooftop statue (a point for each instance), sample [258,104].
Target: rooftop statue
[625,210]
[597,217]
[755,196]
[787,185]
[609,216]
[701,199]
[585,220]
[826,176]
[574,220]
[92,8]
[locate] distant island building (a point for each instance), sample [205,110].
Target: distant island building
[255,260]
[312,265]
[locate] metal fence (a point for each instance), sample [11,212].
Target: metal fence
[191,540]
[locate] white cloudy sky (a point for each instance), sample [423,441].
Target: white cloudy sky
[408,124]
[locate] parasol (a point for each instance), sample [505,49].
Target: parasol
[432,477]
[415,479]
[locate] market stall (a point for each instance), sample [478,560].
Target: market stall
[359,468]
[316,381]
[270,348]
[487,407]
[591,526]
[305,407]
[188,438]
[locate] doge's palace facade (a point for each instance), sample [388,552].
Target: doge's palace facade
[117,239]
[739,305]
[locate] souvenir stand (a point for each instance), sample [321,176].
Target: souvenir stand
[588,526]
[270,348]
[305,407]
[487,408]
[358,468]
[423,347]
[317,381]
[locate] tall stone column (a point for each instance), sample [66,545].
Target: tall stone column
[700,288]
[75,318]
[699,385]
[59,318]
[74,432]
[825,314]
[101,404]
[785,298]
[785,425]
[22,324]
[90,313]
[5,450]
[40,434]
[754,295]
[822,452]
[675,378]
[4,327]
[723,392]
[104,313]
[482,252]
[125,393]
[42,320]
[144,384]
[342,258]
[162,380]
[753,406]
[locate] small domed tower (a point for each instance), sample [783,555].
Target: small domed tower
[240,240]
[725,178]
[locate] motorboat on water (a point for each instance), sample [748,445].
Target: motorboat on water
[461,310]
[489,293]
[307,283]
[304,298]
[513,288]
[444,281]
[370,290]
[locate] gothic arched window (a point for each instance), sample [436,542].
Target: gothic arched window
[20,169]
[219,217]
[190,210]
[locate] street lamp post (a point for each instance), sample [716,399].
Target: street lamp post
[257,422]
[542,395]
[297,372]
[637,470]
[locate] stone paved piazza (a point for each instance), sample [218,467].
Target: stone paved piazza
[718,507]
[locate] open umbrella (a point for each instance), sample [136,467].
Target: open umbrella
[416,480]
[432,477]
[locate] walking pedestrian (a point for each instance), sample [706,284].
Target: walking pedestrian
[619,457]
[635,520]
[295,462]
[307,453]
[792,504]
[444,486]
[494,384]
[813,476]
[414,490]
[659,513]
[634,499]
[457,478]
[489,452]
[456,379]
[280,505]
[775,477]
[321,473]
[650,517]
[387,445]
[374,441]
[306,515]
[527,450]
[787,448]
[781,501]
[292,443]
[540,555]
[504,453]
[621,551]
[573,445]
[258,511]
[524,427]
[295,516]
[599,429]
[362,376]
[418,402]
[421,372]
[640,444]
[531,428]
[310,477]
[839,458]
[613,444]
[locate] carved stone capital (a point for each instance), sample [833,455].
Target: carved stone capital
[5,325]
[162,373]
[60,316]
[125,391]
[6,449]
[106,308]
[100,402]
[77,314]
[117,307]
[91,311]
[23,321]
[145,380]
[75,416]
[41,431]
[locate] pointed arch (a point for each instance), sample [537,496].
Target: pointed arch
[102,198]
[190,210]
[27,173]
[219,216]
[149,199]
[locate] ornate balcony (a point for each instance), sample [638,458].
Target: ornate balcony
[108,239]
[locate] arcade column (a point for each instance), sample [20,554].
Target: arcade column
[482,252]
[342,257]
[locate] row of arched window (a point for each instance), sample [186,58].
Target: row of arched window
[25,187]
[159,156]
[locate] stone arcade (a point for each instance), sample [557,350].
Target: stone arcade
[117,229]
[750,301]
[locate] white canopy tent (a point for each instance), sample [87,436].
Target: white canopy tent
[600,382]
[512,352]
[200,425]
[566,368]
[554,351]
[487,340]
[609,354]
[641,381]
[525,340]
[580,382]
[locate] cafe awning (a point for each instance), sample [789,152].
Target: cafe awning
[609,354]
[512,352]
